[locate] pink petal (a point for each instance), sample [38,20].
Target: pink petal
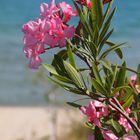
[108,135]
[89,4]
[35,62]
[130,138]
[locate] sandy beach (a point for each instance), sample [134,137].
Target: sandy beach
[35,123]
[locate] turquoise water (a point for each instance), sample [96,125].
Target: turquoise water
[16,87]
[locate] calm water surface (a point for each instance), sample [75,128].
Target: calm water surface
[17,85]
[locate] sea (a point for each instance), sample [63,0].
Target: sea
[20,86]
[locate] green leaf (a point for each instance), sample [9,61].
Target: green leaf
[110,75]
[59,66]
[108,9]
[121,76]
[118,89]
[138,75]
[128,102]
[106,25]
[76,91]
[63,79]
[98,134]
[70,55]
[88,125]
[105,39]
[50,68]
[135,110]
[117,128]
[99,87]
[117,51]
[74,104]
[96,73]
[97,12]
[114,75]
[96,35]
[73,74]
[111,49]
[84,22]
[106,64]
[62,54]
[65,86]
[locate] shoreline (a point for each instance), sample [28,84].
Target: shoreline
[35,123]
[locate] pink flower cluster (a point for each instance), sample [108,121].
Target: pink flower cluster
[50,29]
[94,111]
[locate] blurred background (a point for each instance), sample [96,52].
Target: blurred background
[26,96]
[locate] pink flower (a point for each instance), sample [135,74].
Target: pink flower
[133,79]
[89,3]
[94,111]
[68,34]
[33,42]
[124,123]
[32,53]
[49,30]
[58,33]
[49,11]
[91,113]
[33,32]
[67,11]
[130,138]
[108,135]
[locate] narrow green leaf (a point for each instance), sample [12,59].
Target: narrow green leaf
[117,51]
[98,134]
[50,68]
[108,9]
[76,91]
[63,79]
[106,25]
[59,66]
[97,12]
[74,104]
[70,55]
[99,87]
[65,86]
[96,73]
[138,75]
[136,110]
[62,54]
[121,76]
[114,92]
[84,22]
[106,64]
[72,72]
[128,102]
[114,75]
[111,49]
[105,39]
[116,127]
